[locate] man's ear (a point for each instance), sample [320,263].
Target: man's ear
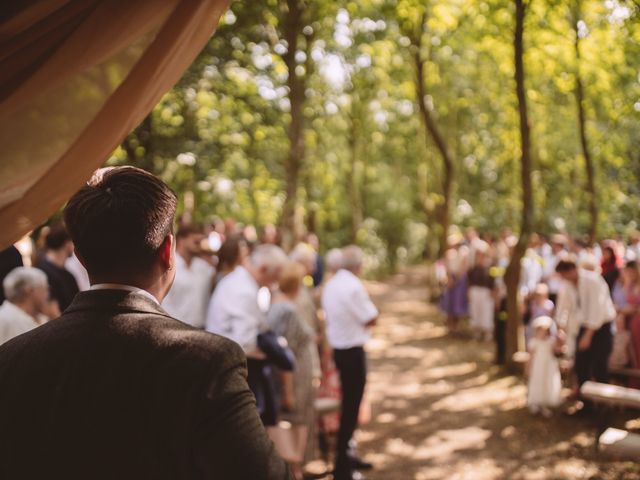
[166,252]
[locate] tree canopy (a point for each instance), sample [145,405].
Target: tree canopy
[330,136]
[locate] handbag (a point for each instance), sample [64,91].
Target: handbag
[276,351]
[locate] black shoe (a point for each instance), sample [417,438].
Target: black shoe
[342,475]
[358,464]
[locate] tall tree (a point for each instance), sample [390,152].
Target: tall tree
[432,131]
[582,127]
[512,275]
[292,29]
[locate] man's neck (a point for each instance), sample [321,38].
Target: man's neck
[252,271]
[57,257]
[157,288]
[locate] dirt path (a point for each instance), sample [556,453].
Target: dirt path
[441,410]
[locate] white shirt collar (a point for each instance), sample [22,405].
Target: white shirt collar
[129,288]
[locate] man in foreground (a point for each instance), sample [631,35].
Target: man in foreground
[116,388]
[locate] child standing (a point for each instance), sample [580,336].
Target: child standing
[545,383]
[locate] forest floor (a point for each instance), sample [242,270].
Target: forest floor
[440,408]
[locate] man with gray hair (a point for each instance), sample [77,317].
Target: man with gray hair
[27,293]
[334,260]
[349,315]
[235,312]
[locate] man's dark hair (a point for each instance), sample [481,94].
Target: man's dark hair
[230,250]
[56,237]
[119,220]
[566,265]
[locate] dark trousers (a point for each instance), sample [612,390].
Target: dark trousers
[352,365]
[261,384]
[500,332]
[593,363]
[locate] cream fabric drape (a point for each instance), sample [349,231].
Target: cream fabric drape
[76,77]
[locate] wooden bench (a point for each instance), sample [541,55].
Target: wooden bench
[613,441]
[611,395]
[620,444]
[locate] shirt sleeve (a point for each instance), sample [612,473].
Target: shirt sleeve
[245,326]
[597,306]
[239,318]
[362,306]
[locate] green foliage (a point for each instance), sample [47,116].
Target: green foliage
[220,136]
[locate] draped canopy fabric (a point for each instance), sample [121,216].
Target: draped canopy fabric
[76,76]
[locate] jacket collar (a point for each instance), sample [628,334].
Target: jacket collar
[115,300]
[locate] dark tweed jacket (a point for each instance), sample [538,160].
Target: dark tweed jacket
[117,389]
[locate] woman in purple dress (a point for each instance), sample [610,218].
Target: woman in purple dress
[454,300]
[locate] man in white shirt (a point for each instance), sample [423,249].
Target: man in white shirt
[594,312]
[27,291]
[234,312]
[349,315]
[189,295]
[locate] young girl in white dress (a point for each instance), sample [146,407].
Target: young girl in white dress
[545,384]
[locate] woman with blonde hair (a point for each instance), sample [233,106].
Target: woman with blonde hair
[298,392]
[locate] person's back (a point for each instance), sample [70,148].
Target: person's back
[61,281]
[342,300]
[233,310]
[116,388]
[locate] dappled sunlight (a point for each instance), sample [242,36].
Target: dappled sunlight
[377,288]
[442,410]
[465,470]
[494,393]
[451,370]
[569,468]
[481,379]
[413,307]
[440,446]
[377,344]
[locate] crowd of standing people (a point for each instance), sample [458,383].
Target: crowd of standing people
[580,305]
[302,320]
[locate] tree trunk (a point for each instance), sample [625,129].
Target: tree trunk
[432,131]
[354,183]
[512,275]
[292,28]
[584,144]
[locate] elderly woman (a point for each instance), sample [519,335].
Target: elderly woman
[27,300]
[298,391]
[305,301]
